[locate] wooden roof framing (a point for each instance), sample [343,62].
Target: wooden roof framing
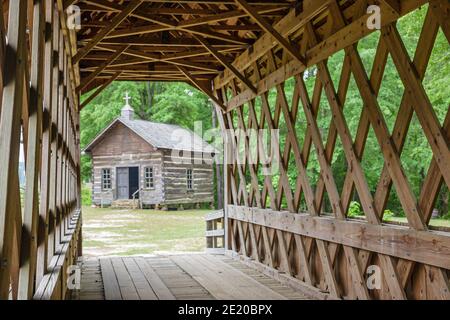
[191,41]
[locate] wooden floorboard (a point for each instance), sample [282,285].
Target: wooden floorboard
[126,285]
[110,283]
[162,292]
[178,277]
[223,281]
[140,282]
[91,281]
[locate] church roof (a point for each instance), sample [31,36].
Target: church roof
[159,135]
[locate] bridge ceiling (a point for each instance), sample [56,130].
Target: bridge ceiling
[167,40]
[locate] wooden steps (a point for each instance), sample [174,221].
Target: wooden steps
[125,204]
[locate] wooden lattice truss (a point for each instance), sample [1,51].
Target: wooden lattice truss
[332,254]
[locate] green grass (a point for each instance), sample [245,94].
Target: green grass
[137,232]
[433,222]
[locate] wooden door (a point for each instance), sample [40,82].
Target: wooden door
[123,187]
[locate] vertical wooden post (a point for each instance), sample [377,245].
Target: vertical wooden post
[54,136]
[31,212]
[42,254]
[2,55]
[226,175]
[10,135]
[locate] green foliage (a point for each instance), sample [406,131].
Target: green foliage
[388,214]
[355,209]
[86,195]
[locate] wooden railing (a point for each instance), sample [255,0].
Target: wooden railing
[56,285]
[40,237]
[215,232]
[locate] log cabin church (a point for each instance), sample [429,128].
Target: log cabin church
[148,164]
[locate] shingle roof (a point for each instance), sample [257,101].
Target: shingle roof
[160,135]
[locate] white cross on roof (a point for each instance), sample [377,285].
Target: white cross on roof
[127,98]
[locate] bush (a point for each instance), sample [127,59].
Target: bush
[86,196]
[388,214]
[355,209]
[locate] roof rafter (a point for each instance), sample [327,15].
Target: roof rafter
[116,21]
[294,52]
[226,64]
[86,81]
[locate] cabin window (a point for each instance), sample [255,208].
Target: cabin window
[149,178]
[106,179]
[190,180]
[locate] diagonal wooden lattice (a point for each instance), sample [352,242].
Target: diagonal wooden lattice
[333,253]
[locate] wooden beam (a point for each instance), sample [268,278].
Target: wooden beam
[115,22]
[294,52]
[68,3]
[31,211]
[428,247]
[153,58]
[43,229]
[200,86]
[225,63]
[99,90]
[86,81]
[2,55]
[10,136]
[337,41]
[394,5]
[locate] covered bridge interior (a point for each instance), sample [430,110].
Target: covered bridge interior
[236,52]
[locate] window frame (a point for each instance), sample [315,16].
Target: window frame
[190,179]
[106,179]
[149,180]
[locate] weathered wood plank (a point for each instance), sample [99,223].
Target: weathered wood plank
[158,286]
[429,247]
[31,211]
[10,135]
[110,283]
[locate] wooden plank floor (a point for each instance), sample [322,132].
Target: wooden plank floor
[180,277]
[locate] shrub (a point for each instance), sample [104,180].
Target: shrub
[355,209]
[86,196]
[388,214]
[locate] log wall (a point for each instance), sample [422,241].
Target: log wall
[175,166]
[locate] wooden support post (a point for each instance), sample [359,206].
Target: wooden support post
[10,136]
[31,212]
[54,136]
[43,228]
